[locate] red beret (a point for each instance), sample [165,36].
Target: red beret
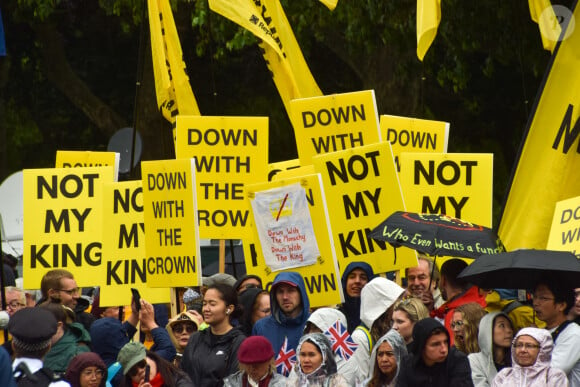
[255,349]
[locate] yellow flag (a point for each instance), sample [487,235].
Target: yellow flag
[542,13]
[174,94]
[428,18]
[549,160]
[267,21]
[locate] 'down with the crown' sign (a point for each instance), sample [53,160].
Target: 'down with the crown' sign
[229,152]
[408,134]
[565,230]
[364,188]
[124,246]
[75,159]
[455,184]
[63,222]
[169,208]
[334,122]
[322,279]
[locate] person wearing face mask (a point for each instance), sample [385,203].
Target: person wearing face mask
[531,355]
[315,365]
[386,360]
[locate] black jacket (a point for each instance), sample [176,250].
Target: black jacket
[454,371]
[208,359]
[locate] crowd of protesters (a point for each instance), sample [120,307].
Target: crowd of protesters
[437,330]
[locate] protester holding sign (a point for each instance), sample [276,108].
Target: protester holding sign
[211,354]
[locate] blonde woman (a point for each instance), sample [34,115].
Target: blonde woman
[405,316]
[465,327]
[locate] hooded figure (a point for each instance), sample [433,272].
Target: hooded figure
[326,374]
[179,339]
[399,347]
[377,297]
[351,306]
[278,325]
[452,370]
[323,319]
[538,374]
[247,300]
[82,361]
[483,367]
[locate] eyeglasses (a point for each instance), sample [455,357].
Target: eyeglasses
[458,324]
[98,373]
[542,298]
[70,292]
[14,305]
[178,328]
[526,346]
[135,369]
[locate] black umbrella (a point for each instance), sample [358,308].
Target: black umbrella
[438,235]
[523,269]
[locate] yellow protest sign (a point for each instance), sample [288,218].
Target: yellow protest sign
[300,171]
[408,134]
[456,184]
[124,246]
[322,279]
[334,122]
[365,190]
[75,159]
[63,222]
[275,168]
[229,152]
[170,212]
[565,230]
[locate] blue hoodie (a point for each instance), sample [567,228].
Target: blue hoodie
[277,326]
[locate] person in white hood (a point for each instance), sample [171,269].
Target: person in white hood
[386,360]
[495,338]
[376,312]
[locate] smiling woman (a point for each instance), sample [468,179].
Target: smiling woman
[465,326]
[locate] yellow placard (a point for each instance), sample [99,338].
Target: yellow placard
[170,212]
[63,223]
[363,189]
[296,172]
[229,152]
[334,122]
[408,134]
[275,168]
[565,230]
[75,159]
[124,246]
[323,278]
[456,184]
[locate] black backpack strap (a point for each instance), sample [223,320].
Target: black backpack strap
[511,307]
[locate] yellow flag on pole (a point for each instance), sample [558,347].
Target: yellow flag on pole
[174,94]
[549,160]
[267,21]
[428,18]
[543,13]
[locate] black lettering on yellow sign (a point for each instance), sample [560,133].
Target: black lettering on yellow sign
[448,172]
[359,203]
[336,142]
[169,236]
[128,271]
[128,200]
[319,283]
[340,115]
[440,206]
[77,165]
[171,265]
[571,236]
[415,139]
[61,253]
[166,181]
[356,167]
[63,220]
[70,186]
[130,238]
[168,209]
[212,137]
[358,242]
[568,215]
[569,135]
[228,164]
[220,218]
[274,172]
[228,191]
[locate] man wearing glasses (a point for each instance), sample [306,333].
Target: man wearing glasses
[15,300]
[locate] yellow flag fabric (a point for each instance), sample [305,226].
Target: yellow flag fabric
[428,18]
[549,160]
[330,4]
[267,21]
[547,22]
[174,94]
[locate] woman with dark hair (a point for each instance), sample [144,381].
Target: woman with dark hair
[386,360]
[87,370]
[142,366]
[211,354]
[256,305]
